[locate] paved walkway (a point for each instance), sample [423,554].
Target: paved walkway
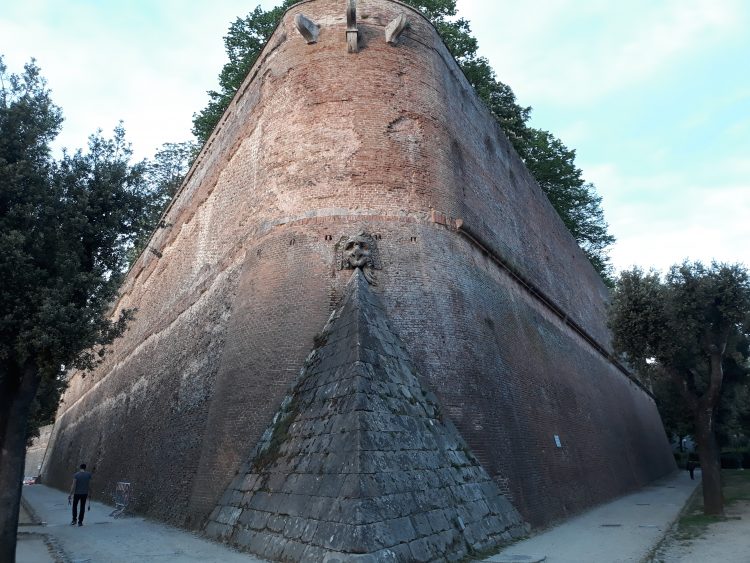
[624,530]
[103,539]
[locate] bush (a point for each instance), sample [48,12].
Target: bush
[730,461]
[735,459]
[680,459]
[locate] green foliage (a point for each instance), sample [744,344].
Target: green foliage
[675,414]
[163,175]
[44,408]
[500,99]
[733,410]
[65,228]
[678,321]
[733,415]
[243,43]
[691,328]
[670,327]
[550,162]
[548,159]
[553,167]
[168,168]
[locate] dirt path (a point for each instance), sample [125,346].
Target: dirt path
[695,540]
[727,541]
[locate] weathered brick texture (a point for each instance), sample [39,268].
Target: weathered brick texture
[36,451]
[360,460]
[320,144]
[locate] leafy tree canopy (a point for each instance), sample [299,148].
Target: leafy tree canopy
[163,176]
[65,229]
[677,321]
[733,416]
[733,410]
[691,327]
[243,43]
[548,159]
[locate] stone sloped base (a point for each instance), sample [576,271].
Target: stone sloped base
[359,463]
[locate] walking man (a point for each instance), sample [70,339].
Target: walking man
[79,491]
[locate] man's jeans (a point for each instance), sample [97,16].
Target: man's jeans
[76,500]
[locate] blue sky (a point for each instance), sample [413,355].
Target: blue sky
[653,95]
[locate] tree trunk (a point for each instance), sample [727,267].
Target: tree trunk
[708,453]
[17,401]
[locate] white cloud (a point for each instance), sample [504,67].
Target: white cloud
[134,62]
[573,52]
[150,64]
[660,220]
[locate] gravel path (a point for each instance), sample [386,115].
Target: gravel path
[727,541]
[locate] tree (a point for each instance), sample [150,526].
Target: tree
[548,159]
[733,416]
[499,97]
[65,228]
[243,43]
[553,166]
[684,325]
[168,168]
[164,175]
[675,415]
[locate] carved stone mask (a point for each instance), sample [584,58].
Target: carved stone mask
[360,251]
[357,252]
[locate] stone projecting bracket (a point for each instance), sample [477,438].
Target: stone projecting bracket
[307,28]
[352,34]
[394,29]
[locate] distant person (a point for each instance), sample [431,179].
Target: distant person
[79,492]
[691,467]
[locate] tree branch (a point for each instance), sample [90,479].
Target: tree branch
[683,384]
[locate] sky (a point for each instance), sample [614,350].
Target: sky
[653,95]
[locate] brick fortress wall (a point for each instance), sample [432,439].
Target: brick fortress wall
[36,451]
[317,145]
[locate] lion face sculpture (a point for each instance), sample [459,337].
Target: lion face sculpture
[360,251]
[357,252]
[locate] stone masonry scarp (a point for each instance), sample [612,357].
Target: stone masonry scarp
[360,463]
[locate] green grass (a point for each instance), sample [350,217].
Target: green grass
[693,523]
[736,485]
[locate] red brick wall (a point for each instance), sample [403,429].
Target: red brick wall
[320,142]
[36,451]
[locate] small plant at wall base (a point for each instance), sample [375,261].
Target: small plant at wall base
[689,327]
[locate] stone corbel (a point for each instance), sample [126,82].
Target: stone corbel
[394,29]
[352,35]
[307,28]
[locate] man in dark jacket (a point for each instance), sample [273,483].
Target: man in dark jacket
[79,491]
[691,465]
